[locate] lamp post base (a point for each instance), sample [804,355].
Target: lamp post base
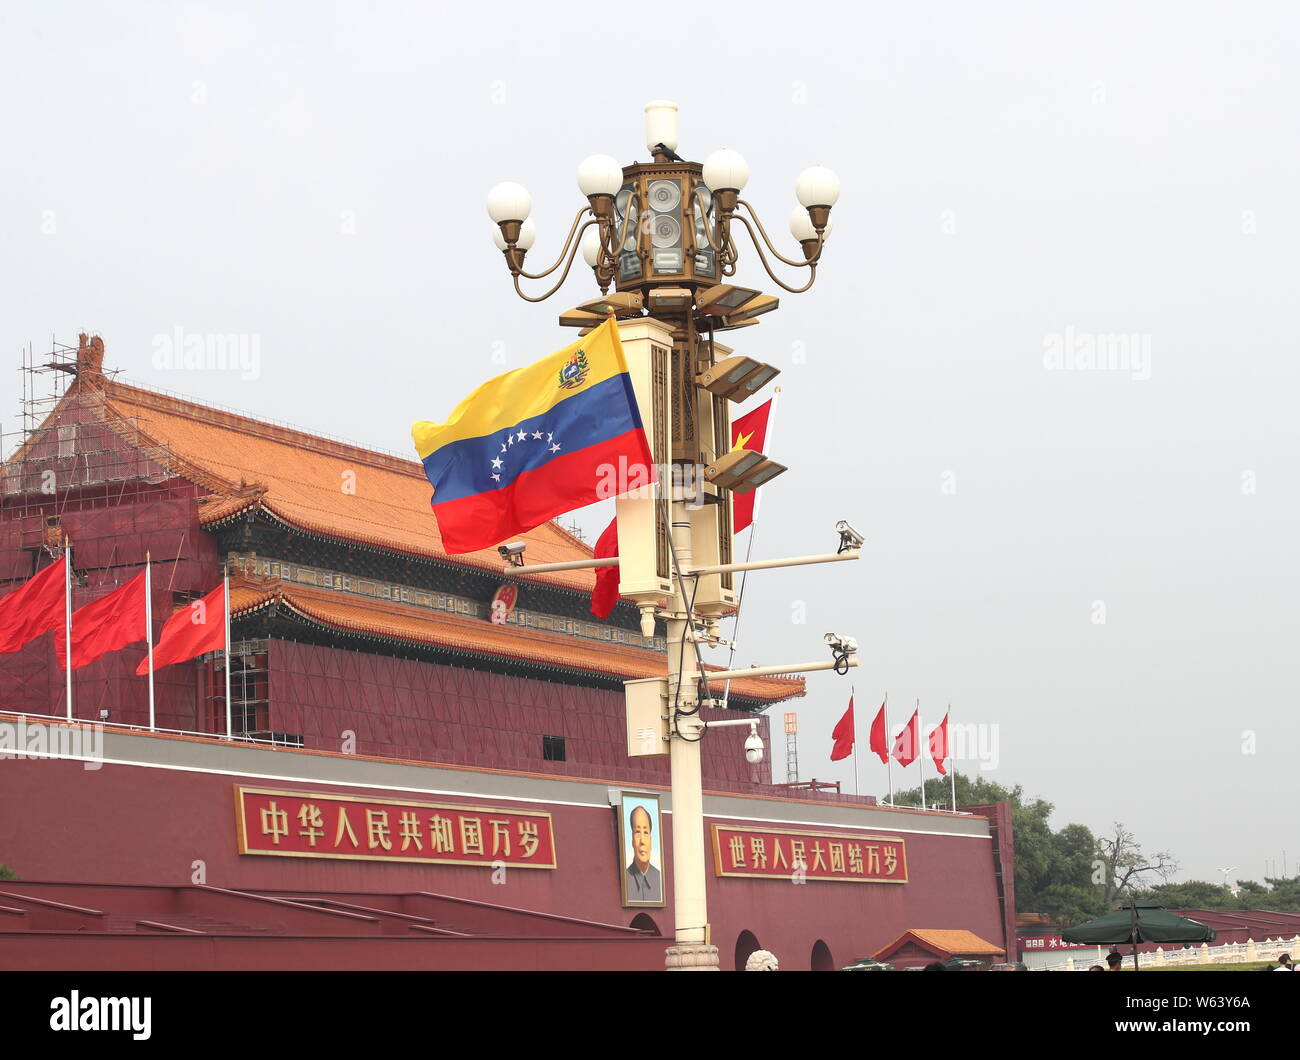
[692,957]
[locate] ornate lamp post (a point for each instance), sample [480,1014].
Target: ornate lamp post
[663,234]
[667,223]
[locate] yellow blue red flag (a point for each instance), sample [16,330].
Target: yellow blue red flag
[536,443]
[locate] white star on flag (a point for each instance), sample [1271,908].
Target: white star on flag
[517,435]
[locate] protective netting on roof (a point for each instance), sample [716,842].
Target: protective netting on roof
[408,708]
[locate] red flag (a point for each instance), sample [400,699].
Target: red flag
[843,734]
[111,622]
[879,739]
[196,628]
[35,607]
[907,746]
[939,744]
[748,432]
[605,595]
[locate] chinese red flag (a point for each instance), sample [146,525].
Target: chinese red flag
[196,628]
[111,622]
[35,607]
[879,738]
[605,595]
[748,432]
[907,746]
[842,734]
[939,744]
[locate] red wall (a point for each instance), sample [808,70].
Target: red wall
[128,824]
[406,708]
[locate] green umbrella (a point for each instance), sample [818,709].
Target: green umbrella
[1139,921]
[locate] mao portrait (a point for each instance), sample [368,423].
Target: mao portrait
[641,846]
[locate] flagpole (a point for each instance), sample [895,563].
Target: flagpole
[229,716]
[920,728]
[67,620]
[749,549]
[148,633]
[952,759]
[889,759]
[855,735]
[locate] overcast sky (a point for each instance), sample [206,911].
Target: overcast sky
[1099,566]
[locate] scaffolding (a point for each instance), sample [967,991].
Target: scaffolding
[84,457]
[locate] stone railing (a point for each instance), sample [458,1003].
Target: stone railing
[1229,953]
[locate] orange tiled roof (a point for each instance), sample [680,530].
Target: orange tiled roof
[944,940]
[298,478]
[458,633]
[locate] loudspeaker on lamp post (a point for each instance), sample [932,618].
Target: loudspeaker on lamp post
[711,535]
[644,561]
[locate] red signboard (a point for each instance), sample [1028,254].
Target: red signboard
[304,824]
[768,853]
[1040,943]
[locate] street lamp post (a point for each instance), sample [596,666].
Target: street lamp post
[662,235]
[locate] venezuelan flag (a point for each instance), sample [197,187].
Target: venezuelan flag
[536,443]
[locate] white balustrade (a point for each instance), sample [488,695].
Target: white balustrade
[1247,952]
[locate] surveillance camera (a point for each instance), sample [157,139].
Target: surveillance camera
[841,648]
[513,553]
[849,538]
[841,645]
[754,747]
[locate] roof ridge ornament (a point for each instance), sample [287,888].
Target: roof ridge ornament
[90,354]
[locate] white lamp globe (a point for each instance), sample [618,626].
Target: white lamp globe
[817,186]
[661,124]
[509,202]
[600,175]
[591,246]
[725,170]
[801,226]
[527,235]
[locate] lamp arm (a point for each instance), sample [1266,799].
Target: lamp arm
[567,241]
[612,252]
[708,225]
[573,252]
[821,240]
[812,265]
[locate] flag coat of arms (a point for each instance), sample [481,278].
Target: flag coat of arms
[536,443]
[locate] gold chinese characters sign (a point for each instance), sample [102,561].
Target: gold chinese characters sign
[303,824]
[766,853]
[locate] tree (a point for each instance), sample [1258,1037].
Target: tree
[6,873]
[1122,865]
[1053,869]
[1193,894]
